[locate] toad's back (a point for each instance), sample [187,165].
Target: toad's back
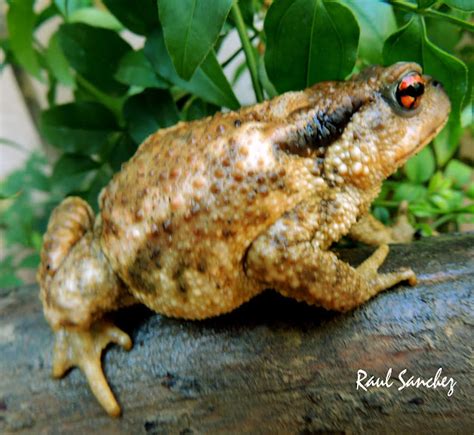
[178,218]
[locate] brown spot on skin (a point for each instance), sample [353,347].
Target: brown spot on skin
[154,230]
[238,176]
[179,278]
[215,189]
[167,226]
[202,265]
[174,173]
[155,256]
[219,173]
[198,183]
[227,232]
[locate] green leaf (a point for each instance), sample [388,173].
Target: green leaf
[57,63]
[410,43]
[426,230]
[74,173]
[45,14]
[421,167]
[21,21]
[8,277]
[94,53]
[149,111]
[190,29]
[136,70]
[464,5]
[196,108]
[139,16]
[249,9]
[264,80]
[381,213]
[439,202]
[443,34]
[470,191]
[30,261]
[459,172]
[422,209]
[68,7]
[309,41]
[81,127]
[31,175]
[95,17]
[376,21]
[438,183]
[425,3]
[100,180]
[409,192]
[122,149]
[209,81]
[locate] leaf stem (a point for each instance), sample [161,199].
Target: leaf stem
[248,49]
[431,13]
[442,220]
[235,54]
[113,104]
[13,144]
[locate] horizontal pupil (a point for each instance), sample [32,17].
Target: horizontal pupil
[413,90]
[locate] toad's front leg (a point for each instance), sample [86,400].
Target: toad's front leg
[320,278]
[293,258]
[373,232]
[78,287]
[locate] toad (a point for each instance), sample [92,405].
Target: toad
[207,214]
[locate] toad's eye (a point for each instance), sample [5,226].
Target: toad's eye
[409,91]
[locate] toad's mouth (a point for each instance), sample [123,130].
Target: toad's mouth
[429,137]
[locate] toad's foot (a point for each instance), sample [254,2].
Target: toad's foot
[83,349]
[382,281]
[372,232]
[402,230]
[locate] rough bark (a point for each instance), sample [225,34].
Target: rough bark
[272,366]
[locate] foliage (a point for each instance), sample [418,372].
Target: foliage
[122,94]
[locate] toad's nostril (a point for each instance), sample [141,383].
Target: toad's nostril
[437,84]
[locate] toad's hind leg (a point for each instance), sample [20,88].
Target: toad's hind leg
[78,287]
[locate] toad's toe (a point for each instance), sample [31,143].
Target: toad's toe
[83,349]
